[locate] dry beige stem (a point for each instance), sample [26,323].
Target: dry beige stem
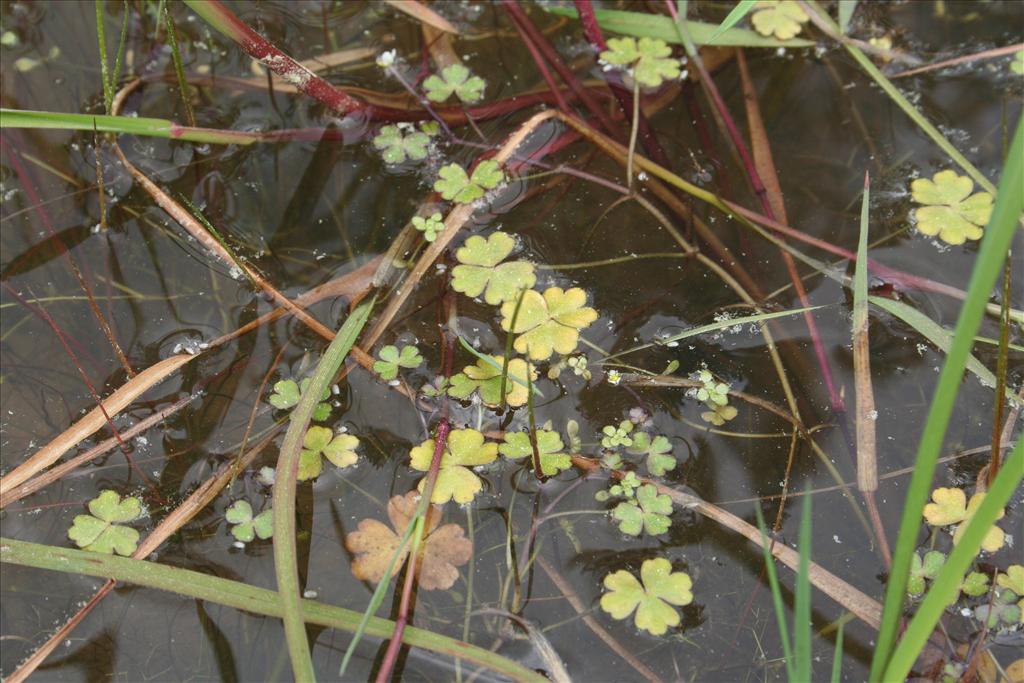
[444,548]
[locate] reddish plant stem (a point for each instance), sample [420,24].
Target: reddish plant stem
[564,72]
[541,65]
[592,30]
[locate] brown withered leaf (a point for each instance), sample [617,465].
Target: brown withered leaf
[444,547]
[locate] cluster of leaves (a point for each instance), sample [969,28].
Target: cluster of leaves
[464,449]
[481,271]
[400,142]
[548,322]
[287,393]
[950,210]
[657,452]
[390,359]
[444,548]
[577,363]
[651,597]
[103,530]
[485,378]
[457,80]
[245,526]
[715,395]
[950,507]
[780,18]
[927,568]
[321,442]
[649,60]
[1007,606]
[642,507]
[431,226]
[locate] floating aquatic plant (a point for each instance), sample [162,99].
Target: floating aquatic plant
[924,568]
[950,506]
[617,435]
[647,511]
[782,19]
[455,185]
[431,226]
[649,59]
[485,377]
[548,323]
[391,359]
[549,445]
[658,452]
[246,527]
[321,442]
[286,396]
[950,211]
[481,271]
[103,530]
[396,145]
[464,449]
[454,79]
[652,597]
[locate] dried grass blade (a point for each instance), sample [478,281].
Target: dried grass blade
[422,13]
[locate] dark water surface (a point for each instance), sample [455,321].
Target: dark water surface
[304,212]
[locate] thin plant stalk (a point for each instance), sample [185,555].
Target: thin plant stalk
[1004,341]
[179,69]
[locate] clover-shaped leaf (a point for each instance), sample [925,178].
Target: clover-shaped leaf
[950,211]
[659,588]
[454,79]
[479,270]
[713,391]
[623,488]
[975,584]
[921,569]
[455,185]
[1012,579]
[549,445]
[615,436]
[431,226]
[486,377]
[287,393]
[649,58]
[950,506]
[549,322]
[247,528]
[781,19]
[718,415]
[396,146]
[321,441]
[658,451]
[464,449]
[1001,612]
[444,547]
[101,531]
[391,359]
[649,513]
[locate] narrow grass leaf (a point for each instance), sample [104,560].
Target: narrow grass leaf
[773,583]
[741,10]
[802,606]
[846,10]
[994,245]
[285,556]
[837,657]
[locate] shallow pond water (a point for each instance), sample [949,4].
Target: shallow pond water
[305,211]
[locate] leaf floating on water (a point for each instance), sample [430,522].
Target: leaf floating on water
[464,449]
[481,271]
[780,19]
[103,530]
[550,322]
[652,597]
[950,211]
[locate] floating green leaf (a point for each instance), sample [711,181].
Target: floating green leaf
[549,445]
[975,584]
[615,436]
[921,569]
[454,184]
[950,211]
[713,391]
[1012,579]
[658,451]
[321,442]
[431,226]
[780,19]
[486,378]
[247,528]
[659,588]
[391,359]
[286,396]
[548,323]
[649,513]
[649,59]
[479,271]
[456,79]
[950,506]
[101,531]
[464,449]
[397,146]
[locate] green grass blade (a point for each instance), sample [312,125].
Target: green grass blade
[243,597]
[846,10]
[115,76]
[128,125]
[837,657]
[802,604]
[741,10]
[773,583]
[285,560]
[903,103]
[946,586]
[860,273]
[378,594]
[994,245]
[940,337]
[641,25]
[179,69]
[101,39]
